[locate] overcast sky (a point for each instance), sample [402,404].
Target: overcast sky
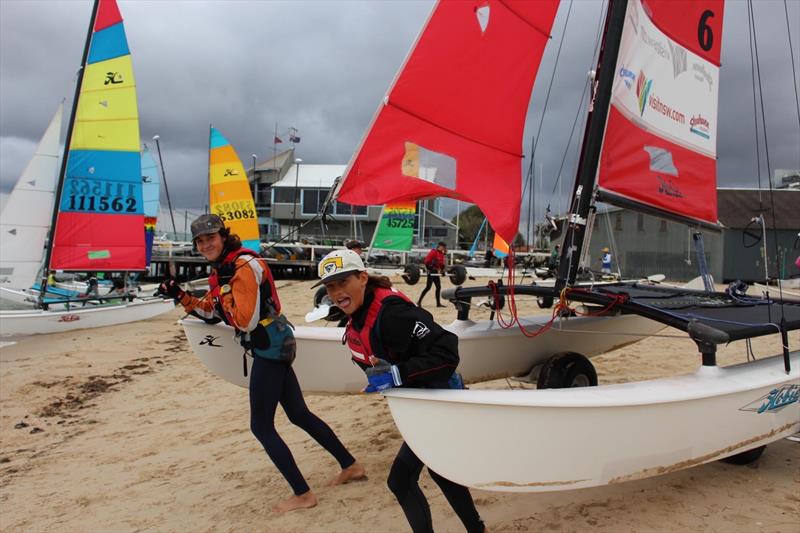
[323,66]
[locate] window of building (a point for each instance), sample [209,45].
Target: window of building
[283,195]
[341,208]
[436,232]
[639,222]
[312,200]
[663,226]
[618,222]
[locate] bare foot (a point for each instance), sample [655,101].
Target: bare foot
[351,473]
[303,501]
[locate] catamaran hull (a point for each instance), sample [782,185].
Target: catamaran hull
[487,351]
[562,439]
[14,323]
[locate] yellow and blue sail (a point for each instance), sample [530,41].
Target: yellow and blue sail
[229,191]
[101,213]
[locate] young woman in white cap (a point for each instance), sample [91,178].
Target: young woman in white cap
[398,344]
[242,294]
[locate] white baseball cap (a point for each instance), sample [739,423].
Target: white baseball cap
[337,265]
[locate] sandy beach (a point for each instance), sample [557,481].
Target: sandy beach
[123,429]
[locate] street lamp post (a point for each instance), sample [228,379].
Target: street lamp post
[166,189]
[296,192]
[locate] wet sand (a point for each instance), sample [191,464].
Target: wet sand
[122,429]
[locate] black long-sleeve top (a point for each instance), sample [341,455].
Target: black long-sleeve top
[407,336]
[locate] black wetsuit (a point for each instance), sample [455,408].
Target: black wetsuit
[273,382]
[426,356]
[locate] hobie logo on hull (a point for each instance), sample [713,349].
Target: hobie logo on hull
[776,400]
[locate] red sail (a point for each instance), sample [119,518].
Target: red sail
[659,150]
[452,123]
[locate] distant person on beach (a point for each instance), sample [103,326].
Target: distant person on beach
[434,263]
[356,246]
[552,263]
[488,257]
[242,293]
[605,261]
[398,344]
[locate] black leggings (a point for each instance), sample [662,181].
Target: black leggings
[272,382]
[404,483]
[433,279]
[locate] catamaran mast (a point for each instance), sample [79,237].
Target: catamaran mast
[65,157]
[592,143]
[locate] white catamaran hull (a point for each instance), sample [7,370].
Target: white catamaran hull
[41,322]
[487,351]
[560,439]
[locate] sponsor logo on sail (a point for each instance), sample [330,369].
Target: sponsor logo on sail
[668,187]
[678,58]
[699,126]
[657,46]
[643,86]
[775,400]
[701,74]
[628,77]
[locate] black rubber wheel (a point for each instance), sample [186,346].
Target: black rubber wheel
[544,302]
[567,370]
[499,302]
[411,274]
[321,297]
[745,458]
[457,274]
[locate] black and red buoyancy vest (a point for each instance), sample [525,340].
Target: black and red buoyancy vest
[359,340]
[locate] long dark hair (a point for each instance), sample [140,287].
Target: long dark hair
[374,282]
[231,241]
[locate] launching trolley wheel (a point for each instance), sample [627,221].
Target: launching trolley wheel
[745,458]
[321,297]
[411,274]
[565,370]
[457,274]
[544,302]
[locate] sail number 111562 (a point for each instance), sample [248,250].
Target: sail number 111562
[94,195]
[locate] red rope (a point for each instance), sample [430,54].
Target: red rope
[561,308]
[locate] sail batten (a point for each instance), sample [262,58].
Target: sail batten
[460,101]
[100,209]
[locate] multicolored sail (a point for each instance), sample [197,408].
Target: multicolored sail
[396,227]
[151,186]
[229,191]
[100,219]
[464,116]
[500,246]
[660,145]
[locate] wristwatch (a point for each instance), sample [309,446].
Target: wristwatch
[225,289]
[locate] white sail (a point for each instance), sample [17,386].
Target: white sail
[26,219]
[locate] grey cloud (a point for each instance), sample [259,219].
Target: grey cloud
[323,67]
